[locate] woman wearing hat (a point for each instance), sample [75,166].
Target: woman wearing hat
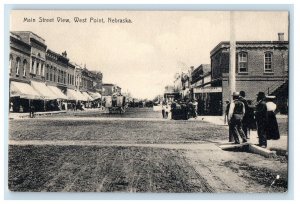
[272,125]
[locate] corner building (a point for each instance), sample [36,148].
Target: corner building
[260,66]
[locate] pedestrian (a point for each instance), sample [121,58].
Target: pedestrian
[235,116]
[226,121]
[11,106]
[190,107]
[246,119]
[163,109]
[272,125]
[261,119]
[167,110]
[195,106]
[31,113]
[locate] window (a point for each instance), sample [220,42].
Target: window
[32,65]
[42,69]
[54,74]
[10,63]
[58,76]
[268,62]
[18,66]
[37,68]
[47,72]
[51,71]
[24,68]
[242,62]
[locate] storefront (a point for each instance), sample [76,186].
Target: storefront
[209,100]
[22,96]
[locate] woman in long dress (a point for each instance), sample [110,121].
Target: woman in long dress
[272,125]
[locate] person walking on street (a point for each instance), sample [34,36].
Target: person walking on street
[163,109]
[246,119]
[195,105]
[235,116]
[261,119]
[272,125]
[32,109]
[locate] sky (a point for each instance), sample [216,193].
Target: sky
[143,57]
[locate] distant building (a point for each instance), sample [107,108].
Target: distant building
[260,66]
[206,96]
[198,75]
[110,89]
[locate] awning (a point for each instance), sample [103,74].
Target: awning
[208,90]
[76,95]
[88,97]
[57,92]
[23,90]
[43,90]
[80,96]
[72,95]
[95,95]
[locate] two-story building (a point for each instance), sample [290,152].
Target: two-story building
[203,93]
[19,68]
[260,66]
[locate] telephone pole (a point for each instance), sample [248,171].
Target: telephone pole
[232,64]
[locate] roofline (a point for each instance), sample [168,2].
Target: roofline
[30,32]
[223,44]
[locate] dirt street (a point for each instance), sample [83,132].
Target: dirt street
[82,153]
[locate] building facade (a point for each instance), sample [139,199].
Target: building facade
[45,79]
[260,66]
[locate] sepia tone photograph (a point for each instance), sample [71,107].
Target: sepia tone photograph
[148,101]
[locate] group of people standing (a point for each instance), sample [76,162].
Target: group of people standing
[241,118]
[180,109]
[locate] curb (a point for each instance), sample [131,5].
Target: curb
[248,147]
[261,151]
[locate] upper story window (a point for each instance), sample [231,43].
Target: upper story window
[268,62]
[242,62]
[24,68]
[47,72]
[54,74]
[51,73]
[10,63]
[42,69]
[18,66]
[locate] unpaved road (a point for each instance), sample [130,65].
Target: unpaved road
[86,154]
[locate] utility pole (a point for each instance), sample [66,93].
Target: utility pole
[232,64]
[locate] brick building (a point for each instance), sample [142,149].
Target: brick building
[45,79]
[260,66]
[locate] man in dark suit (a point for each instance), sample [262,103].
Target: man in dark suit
[235,116]
[261,119]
